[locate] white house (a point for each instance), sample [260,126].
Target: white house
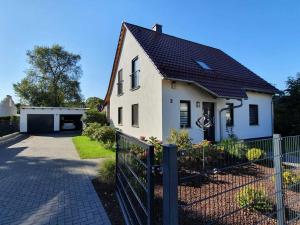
[7,107]
[159,82]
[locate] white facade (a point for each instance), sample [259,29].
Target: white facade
[56,111]
[7,107]
[159,104]
[148,96]
[192,93]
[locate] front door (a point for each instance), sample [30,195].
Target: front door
[209,112]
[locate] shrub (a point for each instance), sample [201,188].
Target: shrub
[254,199]
[107,135]
[103,134]
[254,154]
[157,148]
[233,148]
[181,139]
[289,177]
[90,129]
[94,116]
[107,171]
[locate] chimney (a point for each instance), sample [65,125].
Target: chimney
[157,28]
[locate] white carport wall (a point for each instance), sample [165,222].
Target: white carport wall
[56,111]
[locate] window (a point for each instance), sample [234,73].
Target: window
[185,114]
[120,115]
[120,82]
[229,115]
[253,114]
[203,65]
[135,115]
[135,73]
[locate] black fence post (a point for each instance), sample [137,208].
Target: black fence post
[150,184]
[278,179]
[170,184]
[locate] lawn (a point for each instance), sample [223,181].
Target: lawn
[88,149]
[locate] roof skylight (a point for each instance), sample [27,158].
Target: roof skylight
[203,65]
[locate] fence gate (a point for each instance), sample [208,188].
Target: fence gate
[250,182]
[134,179]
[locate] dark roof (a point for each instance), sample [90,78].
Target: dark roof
[176,58]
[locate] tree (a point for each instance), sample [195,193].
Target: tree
[287,108]
[52,79]
[93,102]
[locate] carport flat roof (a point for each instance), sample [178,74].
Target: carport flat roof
[61,108]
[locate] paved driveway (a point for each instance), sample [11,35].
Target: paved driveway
[42,181]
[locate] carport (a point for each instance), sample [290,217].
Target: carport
[50,119]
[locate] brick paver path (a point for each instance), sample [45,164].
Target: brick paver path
[42,181]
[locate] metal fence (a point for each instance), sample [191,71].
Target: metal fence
[134,179]
[244,182]
[252,182]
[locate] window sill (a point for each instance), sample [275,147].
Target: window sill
[120,94]
[253,125]
[120,124]
[136,88]
[135,126]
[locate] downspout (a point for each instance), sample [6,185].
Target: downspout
[220,115]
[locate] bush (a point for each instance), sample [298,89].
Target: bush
[181,139]
[289,177]
[254,154]
[107,171]
[107,135]
[157,148]
[233,148]
[103,134]
[254,199]
[90,129]
[94,116]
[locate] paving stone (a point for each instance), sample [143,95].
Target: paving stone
[43,181]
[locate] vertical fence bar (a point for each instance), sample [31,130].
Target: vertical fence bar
[117,152]
[170,184]
[278,179]
[150,184]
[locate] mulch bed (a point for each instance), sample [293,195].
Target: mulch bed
[216,197]
[109,200]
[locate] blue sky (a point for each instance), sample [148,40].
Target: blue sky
[262,35]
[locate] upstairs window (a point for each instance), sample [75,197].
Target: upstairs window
[185,114]
[229,115]
[203,65]
[135,73]
[253,114]
[120,82]
[120,115]
[135,115]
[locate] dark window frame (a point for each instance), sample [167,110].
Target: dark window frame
[120,115]
[230,110]
[135,116]
[253,118]
[120,82]
[188,124]
[134,83]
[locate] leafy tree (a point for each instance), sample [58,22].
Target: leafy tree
[287,108]
[52,79]
[93,102]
